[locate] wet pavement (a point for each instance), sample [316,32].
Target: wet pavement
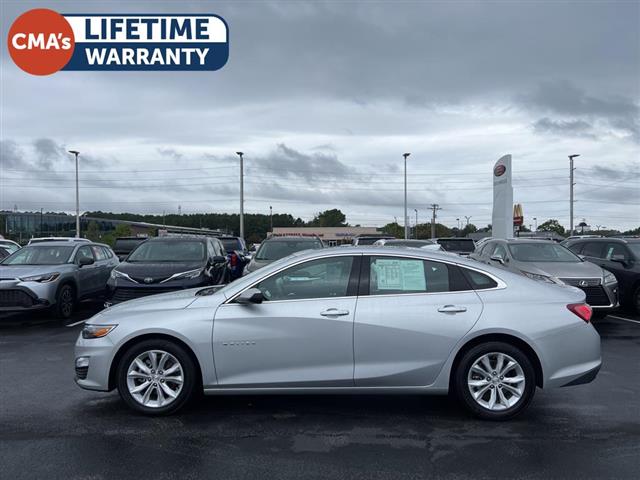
[49,428]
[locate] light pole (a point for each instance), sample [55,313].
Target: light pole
[535,222]
[76,153]
[271,217]
[241,155]
[416,232]
[571,184]
[406,218]
[458,220]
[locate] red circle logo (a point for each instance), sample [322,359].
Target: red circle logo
[499,170]
[41,41]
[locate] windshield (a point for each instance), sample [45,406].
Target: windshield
[542,252]
[9,247]
[458,245]
[277,249]
[635,248]
[408,243]
[127,244]
[171,251]
[230,244]
[40,255]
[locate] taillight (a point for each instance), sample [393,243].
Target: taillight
[582,310]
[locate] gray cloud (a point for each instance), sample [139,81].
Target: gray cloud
[578,128]
[171,153]
[11,156]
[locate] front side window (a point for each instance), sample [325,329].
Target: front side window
[615,249]
[322,278]
[99,253]
[40,255]
[394,275]
[84,252]
[593,249]
[500,251]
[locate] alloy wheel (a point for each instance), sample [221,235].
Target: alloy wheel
[66,302]
[496,381]
[155,378]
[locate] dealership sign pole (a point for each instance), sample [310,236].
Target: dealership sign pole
[502,218]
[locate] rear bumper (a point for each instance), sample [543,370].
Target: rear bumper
[586,377]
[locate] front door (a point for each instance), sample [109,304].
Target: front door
[302,333]
[409,319]
[88,275]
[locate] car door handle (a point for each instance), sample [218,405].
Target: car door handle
[334,312]
[452,309]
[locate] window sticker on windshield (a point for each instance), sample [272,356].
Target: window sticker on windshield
[392,274]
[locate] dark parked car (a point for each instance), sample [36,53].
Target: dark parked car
[461,246]
[620,256]
[275,248]
[237,254]
[123,246]
[164,264]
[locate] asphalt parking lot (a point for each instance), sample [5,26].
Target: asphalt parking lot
[52,429]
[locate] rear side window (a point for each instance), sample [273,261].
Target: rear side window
[479,281]
[615,249]
[393,275]
[576,247]
[593,249]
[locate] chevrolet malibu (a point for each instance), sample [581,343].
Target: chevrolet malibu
[351,320]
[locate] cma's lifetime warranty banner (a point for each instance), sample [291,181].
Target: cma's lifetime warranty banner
[42,42]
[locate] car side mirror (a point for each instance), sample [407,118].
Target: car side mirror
[218,259]
[497,258]
[620,258]
[250,296]
[582,257]
[86,261]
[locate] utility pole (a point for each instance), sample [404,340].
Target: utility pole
[571,184]
[241,155]
[467,218]
[271,217]
[76,153]
[458,220]
[435,207]
[535,222]
[406,217]
[416,230]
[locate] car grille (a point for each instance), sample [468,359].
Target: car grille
[82,372]
[596,296]
[124,294]
[15,298]
[142,280]
[581,282]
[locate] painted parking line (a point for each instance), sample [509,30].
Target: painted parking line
[76,323]
[624,319]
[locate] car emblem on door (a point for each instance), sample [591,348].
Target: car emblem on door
[148,280]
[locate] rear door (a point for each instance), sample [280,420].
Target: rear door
[411,312]
[301,335]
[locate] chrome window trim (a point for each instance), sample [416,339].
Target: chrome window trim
[500,283]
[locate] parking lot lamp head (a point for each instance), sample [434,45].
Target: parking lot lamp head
[406,218]
[76,153]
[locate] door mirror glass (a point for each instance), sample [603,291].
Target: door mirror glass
[250,296]
[85,261]
[218,259]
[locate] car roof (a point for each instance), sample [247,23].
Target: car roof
[607,239]
[60,243]
[454,238]
[292,237]
[178,238]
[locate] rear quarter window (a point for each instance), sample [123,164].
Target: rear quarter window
[478,281]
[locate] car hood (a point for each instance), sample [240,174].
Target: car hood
[256,264]
[563,269]
[156,270]
[18,271]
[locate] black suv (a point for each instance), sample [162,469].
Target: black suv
[164,264]
[621,256]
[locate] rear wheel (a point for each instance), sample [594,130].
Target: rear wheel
[65,302]
[495,380]
[156,377]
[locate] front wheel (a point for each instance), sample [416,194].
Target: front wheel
[156,377]
[495,381]
[65,302]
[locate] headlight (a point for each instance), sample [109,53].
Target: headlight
[117,274]
[182,275]
[44,278]
[96,331]
[609,277]
[541,278]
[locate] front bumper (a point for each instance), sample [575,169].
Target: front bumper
[98,353]
[18,298]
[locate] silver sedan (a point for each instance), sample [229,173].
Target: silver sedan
[352,320]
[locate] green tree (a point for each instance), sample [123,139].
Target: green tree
[93,232]
[393,229]
[329,218]
[552,226]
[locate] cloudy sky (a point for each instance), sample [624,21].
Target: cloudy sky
[324,98]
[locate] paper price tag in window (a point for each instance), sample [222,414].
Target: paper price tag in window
[406,275]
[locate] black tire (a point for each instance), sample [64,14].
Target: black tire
[463,390]
[65,302]
[189,375]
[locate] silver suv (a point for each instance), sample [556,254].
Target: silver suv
[54,275]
